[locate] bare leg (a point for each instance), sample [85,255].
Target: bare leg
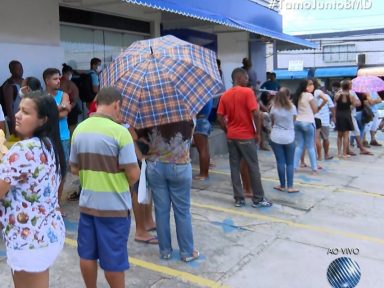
[89,271]
[139,212]
[326,148]
[23,279]
[149,222]
[244,172]
[201,142]
[339,142]
[115,279]
[345,144]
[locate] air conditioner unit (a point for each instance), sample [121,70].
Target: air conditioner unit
[360,59]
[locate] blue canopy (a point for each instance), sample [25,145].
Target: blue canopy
[291,75]
[336,72]
[241,14]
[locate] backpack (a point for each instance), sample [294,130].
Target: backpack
[2,102]
[84,83]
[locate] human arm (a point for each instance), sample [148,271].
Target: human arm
[257,118]
[75,94]
[222,122]
[139,155]
[65,106]
[324,99]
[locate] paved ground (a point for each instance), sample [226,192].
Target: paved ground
[284,246]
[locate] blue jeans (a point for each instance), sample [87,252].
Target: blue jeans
[171,184]
[284,154]
[305,137]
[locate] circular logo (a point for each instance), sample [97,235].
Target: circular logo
[344,273]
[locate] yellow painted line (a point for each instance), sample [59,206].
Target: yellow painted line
[270,179]
[319,229]
[184,276]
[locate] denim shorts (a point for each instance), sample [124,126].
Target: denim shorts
[203,126]
[104,238]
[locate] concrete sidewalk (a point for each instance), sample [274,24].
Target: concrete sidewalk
[287,245]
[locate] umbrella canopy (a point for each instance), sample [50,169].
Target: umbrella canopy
[366,84]
[163,80]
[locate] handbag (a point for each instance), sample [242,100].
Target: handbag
[144,194]
[367,114]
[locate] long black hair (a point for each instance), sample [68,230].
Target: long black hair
[46,108]
[301,89]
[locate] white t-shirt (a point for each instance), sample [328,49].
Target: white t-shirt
[353,109]
[305,113]
[324,112]
[283,130]
[2,118]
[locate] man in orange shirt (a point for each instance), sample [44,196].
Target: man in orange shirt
[237,114]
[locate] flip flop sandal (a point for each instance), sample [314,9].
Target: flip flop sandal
[303,165]
[329,158]
[195,255]
[279,188]
[366,153]
[292,190]
[200,178]
[151,229]
[152,240]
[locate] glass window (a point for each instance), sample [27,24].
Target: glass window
[339,53]
[82,44]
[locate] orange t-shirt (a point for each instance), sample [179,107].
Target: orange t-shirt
[237,105]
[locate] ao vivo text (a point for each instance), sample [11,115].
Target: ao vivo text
[343,251]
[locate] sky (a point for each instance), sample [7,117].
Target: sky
[313,16]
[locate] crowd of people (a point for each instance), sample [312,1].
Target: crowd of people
[107,154]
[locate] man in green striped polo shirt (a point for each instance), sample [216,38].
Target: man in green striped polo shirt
[103,155]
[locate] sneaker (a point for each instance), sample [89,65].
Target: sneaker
[262,204]
[239,203]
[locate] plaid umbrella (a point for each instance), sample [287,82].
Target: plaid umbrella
[366,84]
[163,80]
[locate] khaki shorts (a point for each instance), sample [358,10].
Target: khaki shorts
[324,132]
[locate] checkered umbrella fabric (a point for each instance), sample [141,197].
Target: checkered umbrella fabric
[366,84]
[163,80]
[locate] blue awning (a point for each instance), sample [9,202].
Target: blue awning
[336,72]
[240,14]
[291,75]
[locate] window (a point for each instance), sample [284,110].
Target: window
[82,44]
[339,53]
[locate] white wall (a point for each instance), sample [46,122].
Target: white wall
[232,48]
[29,32]
[373,48]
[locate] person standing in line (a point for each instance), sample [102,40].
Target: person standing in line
[30,175]
[51,78]
[373,126]
[103,155]
[200,138]
[71,89]
[169,175]
[252,77]
[344,122]
[324,116]
[10,94]
[306,106]
[283,114]
[2,120]
[239,107]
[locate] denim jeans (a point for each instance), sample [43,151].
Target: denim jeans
[284,154]
[360,123]
[247,150]
[305,137]
[171,185]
